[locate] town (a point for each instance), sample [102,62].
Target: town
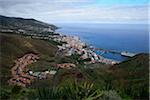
[73,45]
[69,45]
[24,77]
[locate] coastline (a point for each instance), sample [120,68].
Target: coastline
[75,44]
[111,37]
[70,45]
[103,51]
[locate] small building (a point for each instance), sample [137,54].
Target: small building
[30,72]
[53,72]
[36,74]
[66,65]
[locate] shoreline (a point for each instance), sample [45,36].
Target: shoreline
[73,44]
[79,46]
[111,37]
[91,47]
[119,55]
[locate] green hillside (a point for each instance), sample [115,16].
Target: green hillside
[130,78]
[27,26]
[14,46]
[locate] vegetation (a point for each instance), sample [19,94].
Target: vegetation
[127,80]
[73,91]
[14,46]
[130,78]
[27,25]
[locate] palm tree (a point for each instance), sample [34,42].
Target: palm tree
[69,91]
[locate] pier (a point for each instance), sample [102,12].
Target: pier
[126,54]
[105,50]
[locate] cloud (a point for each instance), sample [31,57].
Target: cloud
[73,11]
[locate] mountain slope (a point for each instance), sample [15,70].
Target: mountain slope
[25,25]
[129,78]
[132,76]
[14,46]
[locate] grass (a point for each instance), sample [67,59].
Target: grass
[132,76]
[14,46]
[129,78]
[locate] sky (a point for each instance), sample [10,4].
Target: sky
[78,11]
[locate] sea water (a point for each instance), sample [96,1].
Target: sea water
[119,37]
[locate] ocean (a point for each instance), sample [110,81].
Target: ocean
[119,37]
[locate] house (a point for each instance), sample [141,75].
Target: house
[30,72]
[36,74]
[66,65]
[61,47]
[53,72]
[84,56]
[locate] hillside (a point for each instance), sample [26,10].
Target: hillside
[14,46]
[14,24]
[130,78]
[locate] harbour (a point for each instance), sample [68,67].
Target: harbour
[128,37]
[124,53]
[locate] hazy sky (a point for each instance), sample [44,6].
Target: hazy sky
[94,11]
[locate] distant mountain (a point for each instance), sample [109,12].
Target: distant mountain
[9,24]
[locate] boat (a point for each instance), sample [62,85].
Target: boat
[127,54]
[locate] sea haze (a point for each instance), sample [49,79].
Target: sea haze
[120,37]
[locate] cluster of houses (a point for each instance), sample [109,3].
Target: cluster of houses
[43,75]
[27,29]
[22,76]
[66,65]
[73,45]
[19,74]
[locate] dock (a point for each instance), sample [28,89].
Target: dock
[106,50]
[126,54]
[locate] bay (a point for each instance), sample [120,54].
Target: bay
[119,37]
